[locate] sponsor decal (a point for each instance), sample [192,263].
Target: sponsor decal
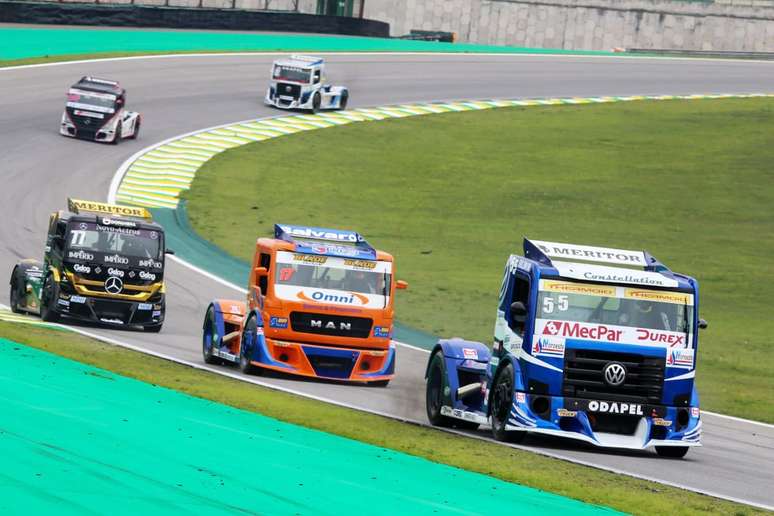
[622,277]
[111,321]
[63,302]
[147,276]
[115,258]
[614,407]
[98,269]
[83,269]
[566,413]
[680,358]
[494,361]
[339,250]
[351,298]
[123,231]
[115,272]
[278,322]
[661,297]
[548,346]
[322,234]
[77,206]
[359,264]
[132,274]
[658,421]
[80,255]
[77,299]
[582,331]
[156,313]
[592,254]
[382,332]
[695,411]
[88,114]
[521,397]
[310,258]
[669,338]
[470,353]
[150,262]
[612,275]
[578,288]
[107,221]
[144,306]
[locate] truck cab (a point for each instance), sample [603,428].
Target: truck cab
[299,83]
[604,354]
[96,110]
[319,304]
[103,264]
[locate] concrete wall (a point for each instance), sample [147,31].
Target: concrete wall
[587,24]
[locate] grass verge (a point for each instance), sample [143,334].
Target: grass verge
[579,482]
[452,195]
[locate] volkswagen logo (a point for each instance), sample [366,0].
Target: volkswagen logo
[615,374]
[114,285]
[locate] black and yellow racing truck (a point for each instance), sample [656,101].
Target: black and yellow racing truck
[103,264]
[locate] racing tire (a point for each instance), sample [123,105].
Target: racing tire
[673,452]
[244,362]
[117,137]
[14,294]
[343,101]
[316,102]
[136,130]
[48,294]
[379,383]
[208,332]
[434,396]
[152,329]
[501,402]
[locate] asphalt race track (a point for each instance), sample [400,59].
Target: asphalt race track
[175,95]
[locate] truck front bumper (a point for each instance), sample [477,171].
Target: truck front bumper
[111,312]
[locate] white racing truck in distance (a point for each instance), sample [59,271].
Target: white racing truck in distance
[298,82]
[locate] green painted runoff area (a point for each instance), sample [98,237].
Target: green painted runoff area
[77,439]
[31,42]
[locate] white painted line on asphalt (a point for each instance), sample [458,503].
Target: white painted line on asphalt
[469,434]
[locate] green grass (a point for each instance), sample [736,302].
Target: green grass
[579,482]
[452,195]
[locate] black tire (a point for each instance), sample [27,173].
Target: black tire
[15,294]
[673,452]
[152,329]
[434,392]
[379,383]
[136,130]
[48,295]
[344,100]
[501,402]
[117,137]
[208,332]
[316,102]
[246,347]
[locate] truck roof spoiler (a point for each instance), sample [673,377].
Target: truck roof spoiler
[331,242]
[306,59]
[78,206]
[542,251]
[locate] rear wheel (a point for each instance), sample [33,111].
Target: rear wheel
[502,401]
[674,452]
[209,338]
[48,296]
[246,347]
[15,295]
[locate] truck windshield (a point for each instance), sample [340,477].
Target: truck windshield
[291,73]
[100,102]
[136,243]
[613,305]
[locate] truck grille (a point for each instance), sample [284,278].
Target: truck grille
[584,378]
[285,89]
[323,324]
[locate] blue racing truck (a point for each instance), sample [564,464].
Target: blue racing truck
[590,343]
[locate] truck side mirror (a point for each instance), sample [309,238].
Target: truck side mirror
[169,251]
[518,312]
[400,284]
[703,324]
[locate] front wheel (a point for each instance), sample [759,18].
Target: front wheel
[674,452]
[434,393]
[15,296]
[48,296]
[316,102]
[344,100]
[152,329]
[136,132]
[502,401]
[209,338]
[249,341]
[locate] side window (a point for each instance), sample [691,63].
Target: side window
[263,282]
[517,321]
[59,240]
[317,76]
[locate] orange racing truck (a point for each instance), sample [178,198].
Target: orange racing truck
[319,304]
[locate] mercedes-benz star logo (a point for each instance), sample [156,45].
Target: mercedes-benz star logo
[114,285]
[615,374]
